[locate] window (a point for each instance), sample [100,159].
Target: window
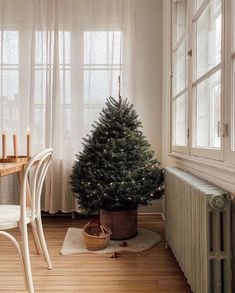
[9,80]
[198,123]
[233,77]
[102,66]
[44,61]
[179,70]
[206,85]
[84,69]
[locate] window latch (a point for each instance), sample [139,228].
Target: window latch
[222,129]
[190,53]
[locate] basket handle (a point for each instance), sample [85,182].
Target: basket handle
[91,221]
[105,230]
[94,221]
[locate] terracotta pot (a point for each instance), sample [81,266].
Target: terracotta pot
[123,224]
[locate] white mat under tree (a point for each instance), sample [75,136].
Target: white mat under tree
[144,240]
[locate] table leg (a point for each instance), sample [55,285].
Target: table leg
[33,225]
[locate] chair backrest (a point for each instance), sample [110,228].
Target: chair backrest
[36,169]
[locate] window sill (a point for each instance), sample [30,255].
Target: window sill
[207,163]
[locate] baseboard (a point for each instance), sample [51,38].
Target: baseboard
[74,214]
[149,214]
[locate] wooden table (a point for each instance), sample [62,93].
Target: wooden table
[18,168]
[15,168]
[11,168]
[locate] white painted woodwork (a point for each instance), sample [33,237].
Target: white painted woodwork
[198,230]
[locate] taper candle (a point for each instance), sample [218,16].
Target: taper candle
[28,142]
[15,144]
[4,145]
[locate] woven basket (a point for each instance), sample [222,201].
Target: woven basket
[95,235]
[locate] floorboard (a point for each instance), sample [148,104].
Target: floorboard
[155,270]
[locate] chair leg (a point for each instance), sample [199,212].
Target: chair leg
[36,238]
[16,244]
[43,242]
[26,257]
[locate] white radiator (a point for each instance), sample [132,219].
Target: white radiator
[198,230]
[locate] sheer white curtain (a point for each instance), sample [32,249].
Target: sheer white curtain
[59,61]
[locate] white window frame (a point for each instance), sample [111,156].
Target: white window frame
[225,155]
[230,84]
[174,47]
[210,153]
[232,107]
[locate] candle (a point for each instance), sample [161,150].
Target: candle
[15,144]
[4,145]
[28,143]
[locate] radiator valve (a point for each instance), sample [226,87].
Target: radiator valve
[217,202]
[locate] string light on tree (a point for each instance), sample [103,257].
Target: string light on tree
[123,167]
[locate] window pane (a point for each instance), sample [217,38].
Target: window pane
[99,85]
[44,62]
[10,47]
[209,38]
[64,48]
[67,124]
[179,69]
[180,121]
[90,115]
[102,47]
[10,84]
[233,108]
[208,115]
[102,67]
[233,25]
[233,76]
[44,47]
[179,25]
[11,99]
[38,128]
[65,86]
[40,86]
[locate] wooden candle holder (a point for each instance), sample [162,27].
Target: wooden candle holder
[15,159]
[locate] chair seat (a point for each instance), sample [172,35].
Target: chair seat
[10,216]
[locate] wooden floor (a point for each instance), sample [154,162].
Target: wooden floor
[155,270]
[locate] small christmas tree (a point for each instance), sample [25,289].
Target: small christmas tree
[116,169]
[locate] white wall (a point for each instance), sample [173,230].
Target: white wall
[148,42]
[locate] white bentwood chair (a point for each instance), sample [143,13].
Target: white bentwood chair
[19,216]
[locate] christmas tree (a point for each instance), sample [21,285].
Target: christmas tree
[116,169]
